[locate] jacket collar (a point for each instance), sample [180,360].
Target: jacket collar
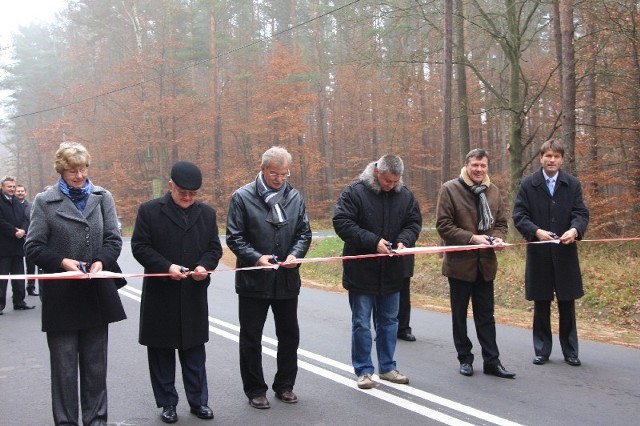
[368,177]
[172,213]
[538,178]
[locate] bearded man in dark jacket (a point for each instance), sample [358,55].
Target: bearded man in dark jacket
[267,224]
[375,214]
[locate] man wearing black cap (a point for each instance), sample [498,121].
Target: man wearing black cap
[177,235]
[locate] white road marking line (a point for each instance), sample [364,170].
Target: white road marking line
[134,294]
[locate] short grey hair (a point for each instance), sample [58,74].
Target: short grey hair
[7,179]
[390,164]
[276,156]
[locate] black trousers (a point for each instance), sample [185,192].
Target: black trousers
[83,351]
[252,315]
[15,266]
[542,336]
[30,270]
[481,294]
[404,312]
[162,369]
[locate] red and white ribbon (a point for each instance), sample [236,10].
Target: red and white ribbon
[78,275]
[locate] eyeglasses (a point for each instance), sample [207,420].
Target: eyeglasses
[74,172]
[274,175]
[185,193]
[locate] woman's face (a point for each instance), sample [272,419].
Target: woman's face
[76,177]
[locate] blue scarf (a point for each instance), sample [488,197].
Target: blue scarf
[79,197]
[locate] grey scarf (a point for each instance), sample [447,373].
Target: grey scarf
[485,218]
[272,197]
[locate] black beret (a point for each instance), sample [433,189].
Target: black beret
[186,175]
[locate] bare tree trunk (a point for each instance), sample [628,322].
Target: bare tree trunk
[568,83]
[461,79]
[446,90]
[325,146]
[216,100]
[635,163]
[591,116]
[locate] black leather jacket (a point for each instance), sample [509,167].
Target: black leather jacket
[250,236]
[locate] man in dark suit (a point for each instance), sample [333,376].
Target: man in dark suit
[548,207]
[12,231]
[21,195]
[177,234]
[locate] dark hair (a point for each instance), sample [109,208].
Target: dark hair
[478,153]
[552,145]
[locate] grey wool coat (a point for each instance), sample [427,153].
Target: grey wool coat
[174,314]
[59,230]
[551,266]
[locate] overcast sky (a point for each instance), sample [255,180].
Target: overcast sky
[22,12]
[14,13]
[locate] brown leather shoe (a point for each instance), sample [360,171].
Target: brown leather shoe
[287,396]
[259,401]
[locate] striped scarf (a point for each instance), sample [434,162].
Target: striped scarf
[276,216]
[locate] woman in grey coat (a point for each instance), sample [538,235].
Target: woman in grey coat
[74,228]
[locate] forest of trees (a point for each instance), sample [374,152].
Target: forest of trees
[144,83]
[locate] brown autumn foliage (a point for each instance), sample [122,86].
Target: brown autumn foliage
[134,83]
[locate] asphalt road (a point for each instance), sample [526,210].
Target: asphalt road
[605,390]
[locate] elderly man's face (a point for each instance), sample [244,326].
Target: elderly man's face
[275,176]
[182,197]
[9,188]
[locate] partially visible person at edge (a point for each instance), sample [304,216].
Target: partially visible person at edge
[375,214]
[74,228]
[470,210]
[13,225]
[177,234]
[267,224]
[21,195]
[404,310]
[549,207]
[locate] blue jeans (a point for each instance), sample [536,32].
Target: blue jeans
[386,331]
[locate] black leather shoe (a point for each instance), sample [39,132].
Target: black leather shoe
[407,336]
[573,360]
[260,402]
[169,414]
[287,396]
[202,412]
[499,371]
[466,369]
[33,293]
[540,359]
[23,307]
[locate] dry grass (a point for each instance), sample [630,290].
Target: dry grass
[609,312]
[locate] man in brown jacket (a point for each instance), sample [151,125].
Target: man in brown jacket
[470,210]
